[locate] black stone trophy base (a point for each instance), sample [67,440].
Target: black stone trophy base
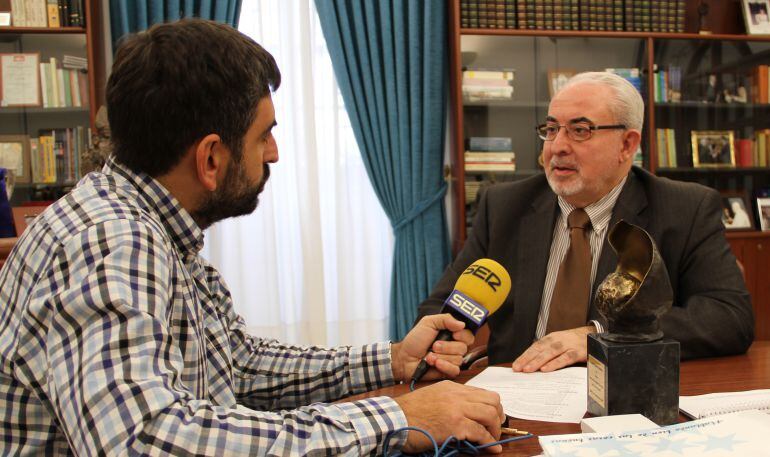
[634,378]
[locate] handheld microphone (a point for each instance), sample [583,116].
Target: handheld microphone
[479,291]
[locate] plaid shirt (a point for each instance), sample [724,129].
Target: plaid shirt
[117,338]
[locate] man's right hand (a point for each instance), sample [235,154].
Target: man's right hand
[449,409]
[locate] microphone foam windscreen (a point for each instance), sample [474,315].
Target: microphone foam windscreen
[486,282]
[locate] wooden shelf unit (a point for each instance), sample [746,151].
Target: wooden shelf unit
[752,248]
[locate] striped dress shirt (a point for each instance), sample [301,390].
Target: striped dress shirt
[116,337]
[600,214]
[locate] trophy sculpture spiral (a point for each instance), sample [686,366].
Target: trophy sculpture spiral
[634,296]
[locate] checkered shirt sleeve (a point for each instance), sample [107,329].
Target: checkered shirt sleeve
[117,341]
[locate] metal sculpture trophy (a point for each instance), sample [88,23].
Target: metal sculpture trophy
[631,367]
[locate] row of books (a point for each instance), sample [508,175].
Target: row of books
[609,15]
[481,85]
[760,150]
[666,144]
[64,84]
[668,84]
[48,13]
[55,155]
[489,154]
[478,161]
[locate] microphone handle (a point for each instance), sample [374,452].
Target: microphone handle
[422,367]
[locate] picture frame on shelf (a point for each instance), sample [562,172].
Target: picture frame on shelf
[736,212]
[557,78]
[713,148]
[756,16]
[763,210]
[14,155]
[20,79]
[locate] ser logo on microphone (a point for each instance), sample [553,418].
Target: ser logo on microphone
[467,307]
[485,274]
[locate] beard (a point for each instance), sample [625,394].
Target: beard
[236,197]
[565,188]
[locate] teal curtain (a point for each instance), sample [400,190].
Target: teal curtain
[129,16]
[390,60]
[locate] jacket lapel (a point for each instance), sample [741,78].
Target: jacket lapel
[535,234]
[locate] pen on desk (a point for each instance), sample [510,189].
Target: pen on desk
[513,431]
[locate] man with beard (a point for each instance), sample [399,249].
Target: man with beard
[116,337]
[590,135]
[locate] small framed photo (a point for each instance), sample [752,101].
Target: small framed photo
[736,213]
[557,79]
[713,148]
[763,208]
[756,16]
[14,156]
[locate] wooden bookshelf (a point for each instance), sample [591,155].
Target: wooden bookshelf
[531,52]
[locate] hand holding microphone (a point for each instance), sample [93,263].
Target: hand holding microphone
[479,291]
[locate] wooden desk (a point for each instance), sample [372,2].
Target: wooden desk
[723,374]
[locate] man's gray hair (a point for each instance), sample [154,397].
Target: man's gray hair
[626,106]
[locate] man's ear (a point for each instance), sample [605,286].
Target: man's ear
[211,158]
[631,140]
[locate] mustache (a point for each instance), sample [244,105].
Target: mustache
[554,163]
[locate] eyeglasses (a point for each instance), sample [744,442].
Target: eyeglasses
[578,131]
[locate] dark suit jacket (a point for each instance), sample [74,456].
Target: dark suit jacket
[712,312]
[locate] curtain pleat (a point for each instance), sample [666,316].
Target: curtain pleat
[131,16]
[390,61]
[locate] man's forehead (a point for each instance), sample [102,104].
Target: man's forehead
[265,113]
[569,107]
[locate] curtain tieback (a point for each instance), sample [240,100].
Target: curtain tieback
[420,208]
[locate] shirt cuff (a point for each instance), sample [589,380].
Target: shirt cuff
[599,328]
[370,367]
[373,420]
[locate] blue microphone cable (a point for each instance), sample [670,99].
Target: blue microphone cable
[451,447]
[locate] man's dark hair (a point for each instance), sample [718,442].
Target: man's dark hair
[178,82]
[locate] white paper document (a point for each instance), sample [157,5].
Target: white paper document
[559,396]
[738,434]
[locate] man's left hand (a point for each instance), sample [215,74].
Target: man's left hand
[555,350]
[446,356]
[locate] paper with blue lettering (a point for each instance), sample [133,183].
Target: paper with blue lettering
[738,434]
[558,396]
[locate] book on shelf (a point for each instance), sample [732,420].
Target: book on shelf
[761,149]
[480,161]
[63,85]
[472,190]
[666,145]
[701,406]
[744,154]
[489,143]
[667,84]
[56,154]
[48,13]
[483,84]
[628,15]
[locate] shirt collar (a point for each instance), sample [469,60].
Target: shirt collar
[600,211]
[184,232]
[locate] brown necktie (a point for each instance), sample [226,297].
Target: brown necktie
[569,302]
